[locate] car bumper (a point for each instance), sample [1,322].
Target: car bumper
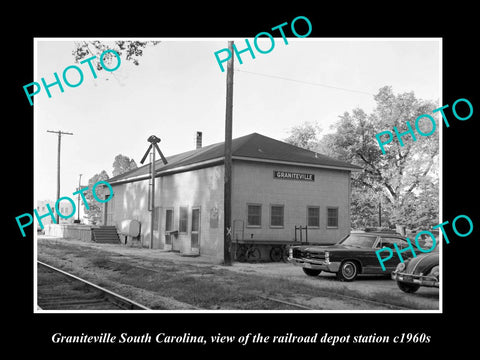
[315,264]
[423,280]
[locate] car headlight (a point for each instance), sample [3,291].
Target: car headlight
[435,271]
[400,266]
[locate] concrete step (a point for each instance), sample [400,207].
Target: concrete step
[106,234]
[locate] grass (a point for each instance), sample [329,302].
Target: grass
[205,286]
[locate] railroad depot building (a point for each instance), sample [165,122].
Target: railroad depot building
[275,187]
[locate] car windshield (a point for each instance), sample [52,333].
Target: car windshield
[359,240]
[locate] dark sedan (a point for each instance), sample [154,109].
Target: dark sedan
[353,255]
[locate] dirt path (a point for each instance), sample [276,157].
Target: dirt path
[164,280]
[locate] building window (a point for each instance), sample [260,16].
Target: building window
[332,217]
[313,216]
[182,225]
[168,219]
[254,215]
[276,216]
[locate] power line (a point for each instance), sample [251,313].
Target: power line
[307,82]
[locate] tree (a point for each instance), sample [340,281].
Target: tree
[95,211]
[403,176]
[130,50]
[365,205]
[122,164]
[304,136]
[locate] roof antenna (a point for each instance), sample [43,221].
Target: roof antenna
[153,140]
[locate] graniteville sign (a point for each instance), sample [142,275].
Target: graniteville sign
[287,175]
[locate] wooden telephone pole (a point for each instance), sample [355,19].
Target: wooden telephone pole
[227,203]
[78,198]
[59,132]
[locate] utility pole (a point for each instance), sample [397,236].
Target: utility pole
[59,132]
[78,200]
[380,213]
[227,202]
[152,201]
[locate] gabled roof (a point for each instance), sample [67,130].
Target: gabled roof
[254,147]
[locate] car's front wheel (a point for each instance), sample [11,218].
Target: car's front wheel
[348,271]
[311,272]
[408,288]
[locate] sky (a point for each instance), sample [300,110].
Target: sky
[178,89]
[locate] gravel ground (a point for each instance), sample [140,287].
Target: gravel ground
[115,267]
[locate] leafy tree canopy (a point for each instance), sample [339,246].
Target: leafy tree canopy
[304,136]
[122,164]
[405,178]
[129,50]
[95,211]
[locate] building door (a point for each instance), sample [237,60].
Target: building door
[156,230]
[168,228]
[195,233]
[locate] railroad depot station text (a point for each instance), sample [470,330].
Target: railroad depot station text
[250,338]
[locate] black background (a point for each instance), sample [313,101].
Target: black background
[27,331]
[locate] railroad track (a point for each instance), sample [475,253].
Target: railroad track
[292,305]
[289,304]
[367,301]
[59,290]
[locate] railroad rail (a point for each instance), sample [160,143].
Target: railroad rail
[292,305]
[289,304]
[64,291]
[60,290]
[363,300]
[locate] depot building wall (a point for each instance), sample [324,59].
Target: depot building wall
[254,184]
[130,202]
[198,190]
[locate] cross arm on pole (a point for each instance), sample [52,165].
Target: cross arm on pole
[60,132]
[161,154]
[146,154]
[153,140]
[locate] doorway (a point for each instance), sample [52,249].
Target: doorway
[195,233]
[168,229]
